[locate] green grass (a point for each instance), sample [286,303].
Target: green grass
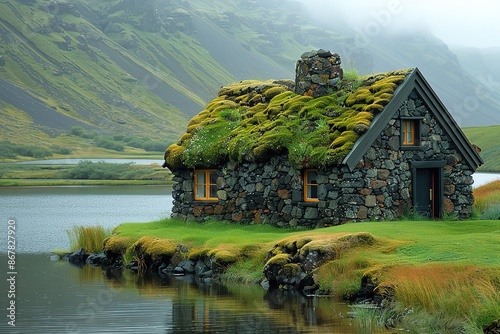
[210,234]
[402,243]
[486,137]
[467,242]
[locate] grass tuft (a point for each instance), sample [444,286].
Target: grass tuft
[90,238]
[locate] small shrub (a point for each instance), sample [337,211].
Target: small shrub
[6,152]
[88,170]
[11,150]
[62,150]
[154,146]
[83,133]
[109,143]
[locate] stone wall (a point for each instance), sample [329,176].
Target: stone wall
[379,188]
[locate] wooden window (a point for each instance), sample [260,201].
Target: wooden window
[311,185]
[205,185]
[408,129]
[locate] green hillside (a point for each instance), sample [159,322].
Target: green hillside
[126,67]
[488,139]
[131,73]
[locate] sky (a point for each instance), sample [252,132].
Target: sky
[462,22]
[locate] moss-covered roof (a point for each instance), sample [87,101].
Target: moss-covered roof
[254,120]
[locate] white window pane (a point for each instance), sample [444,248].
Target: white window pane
[200,177]
[200,191]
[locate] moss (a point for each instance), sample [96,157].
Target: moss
[359,238]
[373,108]
[273,91]
[173,156]
[225,253]
[332,244]
[197,253]
[155,246]
[252,120]
[279,259]
[117,244]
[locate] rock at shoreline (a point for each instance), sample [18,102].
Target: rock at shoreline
[97,259]
[78,257]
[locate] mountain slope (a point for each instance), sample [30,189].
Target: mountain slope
[145,67]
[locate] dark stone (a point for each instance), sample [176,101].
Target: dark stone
[184,268]
[201,267]
[78,257]
[311,213]
[97,259]
[206,274]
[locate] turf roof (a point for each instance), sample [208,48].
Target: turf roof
[255,120]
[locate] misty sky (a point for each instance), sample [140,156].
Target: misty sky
[461,22]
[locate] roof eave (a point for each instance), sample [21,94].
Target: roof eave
[414,80]
[378,124]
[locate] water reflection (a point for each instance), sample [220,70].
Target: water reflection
[56,297]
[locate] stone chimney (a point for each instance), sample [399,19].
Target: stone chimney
[317,73]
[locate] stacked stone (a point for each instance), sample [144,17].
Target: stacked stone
[317,73]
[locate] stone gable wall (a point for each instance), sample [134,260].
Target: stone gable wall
[379,188]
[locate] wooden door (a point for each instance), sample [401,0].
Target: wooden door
[427,193]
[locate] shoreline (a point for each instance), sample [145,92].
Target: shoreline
[16,183]
[372,267]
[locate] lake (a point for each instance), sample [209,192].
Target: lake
[57,297]
[43,214]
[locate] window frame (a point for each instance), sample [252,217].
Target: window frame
[416,124]
[307,184]
[207,185]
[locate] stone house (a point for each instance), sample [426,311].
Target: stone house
[322,150]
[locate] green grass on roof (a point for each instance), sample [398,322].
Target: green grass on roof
[254,120]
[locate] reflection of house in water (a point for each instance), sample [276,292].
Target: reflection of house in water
[329,150]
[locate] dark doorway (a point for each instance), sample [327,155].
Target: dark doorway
[428,190]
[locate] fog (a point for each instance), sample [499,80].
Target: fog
[465,23]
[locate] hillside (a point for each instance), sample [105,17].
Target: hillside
[142,69]
[487,138]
